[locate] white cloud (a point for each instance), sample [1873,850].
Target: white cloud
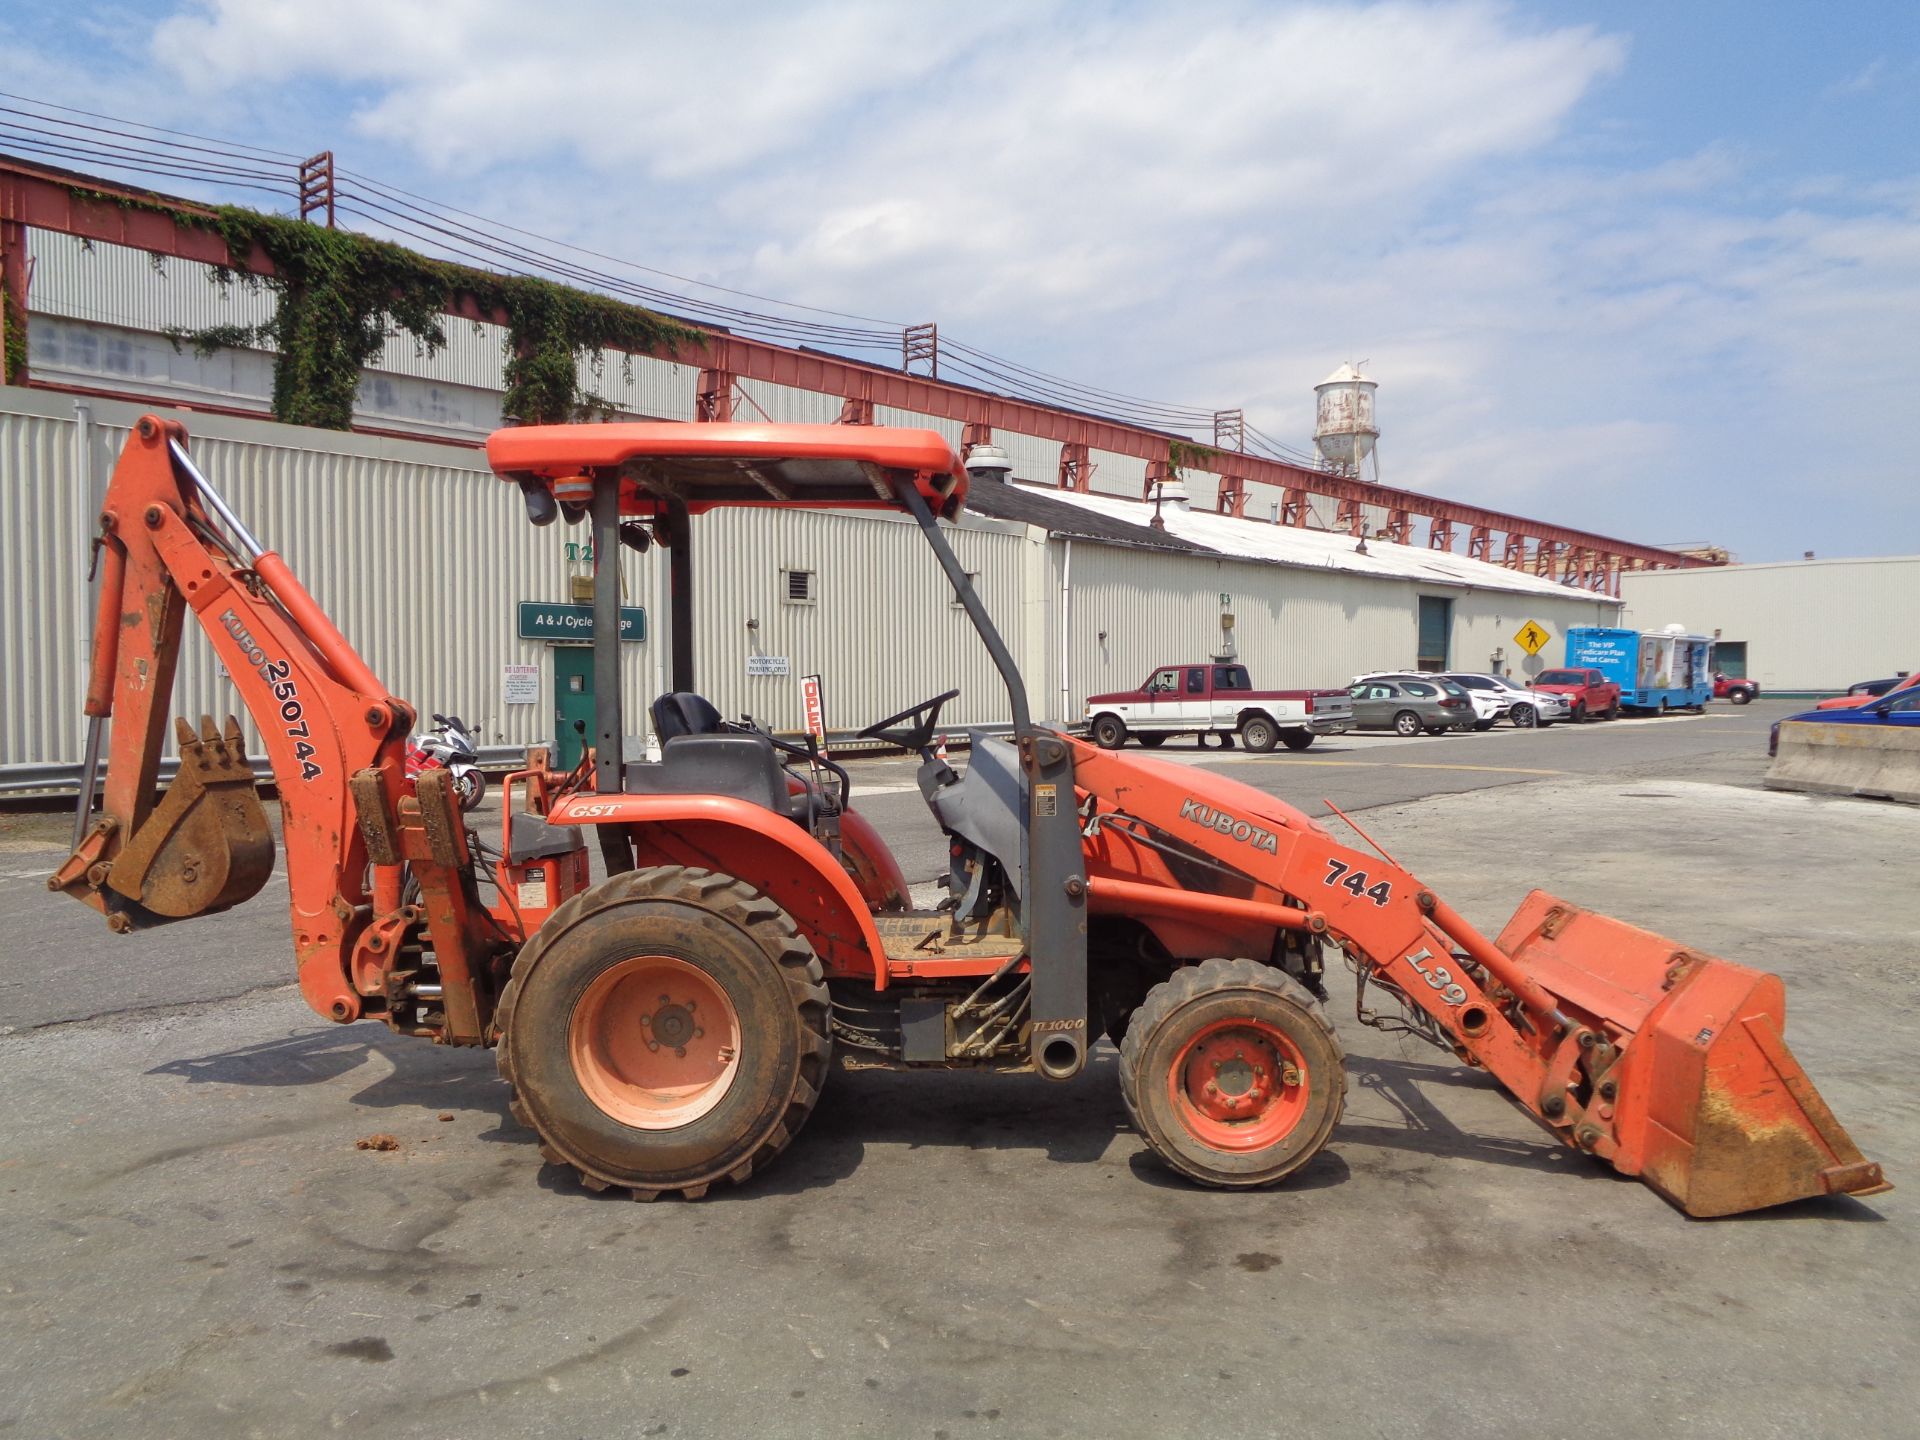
[1210,203]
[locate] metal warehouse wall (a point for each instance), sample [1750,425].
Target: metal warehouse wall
[1808,624]
[882,629]
[1131,610]
[415,550]
[421,556]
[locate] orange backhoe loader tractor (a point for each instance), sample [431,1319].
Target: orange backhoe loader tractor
[671,1025]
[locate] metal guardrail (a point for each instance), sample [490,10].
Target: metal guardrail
[64,778]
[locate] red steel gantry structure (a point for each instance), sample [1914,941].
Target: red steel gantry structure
[42,197]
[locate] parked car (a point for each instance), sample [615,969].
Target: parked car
[1861,691]
[1488,710]
[1407,705]
[1588,692]
[1525,708]
[1898,707]
[1739,690]
[1215,699]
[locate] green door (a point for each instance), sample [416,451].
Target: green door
[572,700]
[1436,629]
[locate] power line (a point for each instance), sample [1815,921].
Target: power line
[120,144]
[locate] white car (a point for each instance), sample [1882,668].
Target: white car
[1526,708]
[1488,708]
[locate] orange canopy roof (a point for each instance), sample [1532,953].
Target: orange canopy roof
[705,465]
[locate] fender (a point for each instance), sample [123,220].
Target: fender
[737,837]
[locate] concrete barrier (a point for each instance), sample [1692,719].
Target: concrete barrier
[1880,761]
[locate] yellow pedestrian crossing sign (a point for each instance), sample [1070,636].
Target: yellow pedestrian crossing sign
[1532,637]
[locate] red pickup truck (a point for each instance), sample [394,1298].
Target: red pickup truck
[1588,691]
[1216,699]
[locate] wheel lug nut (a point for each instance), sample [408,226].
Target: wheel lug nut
[681,1051]
[1212,1089]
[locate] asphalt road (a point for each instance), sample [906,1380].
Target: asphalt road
[59,964]
[193,1244]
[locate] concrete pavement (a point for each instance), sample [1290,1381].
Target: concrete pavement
[193,1245]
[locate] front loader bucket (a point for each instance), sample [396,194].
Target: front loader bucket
[1708,1105]
[207,845]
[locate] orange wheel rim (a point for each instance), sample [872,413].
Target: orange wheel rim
[655,1042]
[1239,1085]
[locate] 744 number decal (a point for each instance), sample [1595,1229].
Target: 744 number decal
[1354,882]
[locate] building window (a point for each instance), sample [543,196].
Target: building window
[973,584]
[798,586]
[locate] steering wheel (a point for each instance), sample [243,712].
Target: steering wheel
[925,716]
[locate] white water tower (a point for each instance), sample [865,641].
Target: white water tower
[1343,426]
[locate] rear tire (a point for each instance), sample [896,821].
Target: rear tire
[664,1030]
[1483,724]
[1109,732]
[1232,1073]
[1524,717]
[1612,712]
[1297,739]
[1740,697]
[1153,741]
[1259,734]
[1406,723]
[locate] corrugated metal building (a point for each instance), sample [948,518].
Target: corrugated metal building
[1797,626]
[423,557]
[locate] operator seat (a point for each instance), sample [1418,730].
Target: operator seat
[700,756]
[682,712]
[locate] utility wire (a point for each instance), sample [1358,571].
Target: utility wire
[146,149]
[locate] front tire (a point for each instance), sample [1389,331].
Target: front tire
[1259,734]
[1232,1073]
[1740,697]
[1579,713]
[1406,723]
[1154,741]
[664,1030]
[1524,717]
[469,788]
[1109,732]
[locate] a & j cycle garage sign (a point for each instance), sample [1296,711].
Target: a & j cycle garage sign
[555,620]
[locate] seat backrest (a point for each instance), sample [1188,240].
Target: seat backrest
[682,712]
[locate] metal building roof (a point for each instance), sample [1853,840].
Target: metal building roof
[1314,549]
[1047,510]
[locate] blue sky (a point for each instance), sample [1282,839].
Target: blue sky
[1653,269]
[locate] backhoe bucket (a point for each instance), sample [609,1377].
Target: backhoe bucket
[207,845]
[1708,1105]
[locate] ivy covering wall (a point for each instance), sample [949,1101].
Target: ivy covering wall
[339,296]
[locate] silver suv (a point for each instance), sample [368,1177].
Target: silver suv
[1525,708]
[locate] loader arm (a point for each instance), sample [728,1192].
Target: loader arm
[335,741]
[1664,1062]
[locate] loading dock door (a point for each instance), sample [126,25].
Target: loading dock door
[572,700]
[1436,629]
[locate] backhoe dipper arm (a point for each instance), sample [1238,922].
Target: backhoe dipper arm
[324,716]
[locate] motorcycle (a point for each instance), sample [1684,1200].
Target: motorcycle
[450,745]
